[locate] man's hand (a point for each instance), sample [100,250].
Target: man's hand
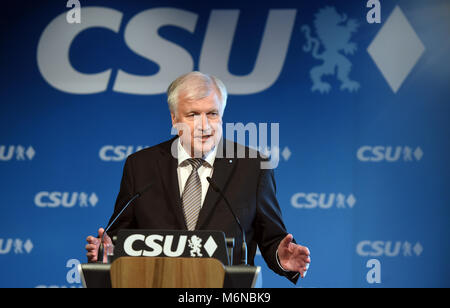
[293,257]
[94,244]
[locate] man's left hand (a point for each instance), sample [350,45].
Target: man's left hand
[293,257]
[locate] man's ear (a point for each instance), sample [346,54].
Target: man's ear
[175,124]
[172,116]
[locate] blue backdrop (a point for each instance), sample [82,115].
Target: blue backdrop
[363,111]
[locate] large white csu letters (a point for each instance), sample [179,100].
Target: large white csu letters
[54,45]
[128,245]
[141,36]
[151,241]
[180,248]
[156,243]
[269,62]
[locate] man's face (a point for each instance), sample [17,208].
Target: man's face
[199,123]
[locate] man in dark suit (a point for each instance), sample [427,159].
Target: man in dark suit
[180,196]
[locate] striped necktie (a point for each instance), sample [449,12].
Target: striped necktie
[192,194]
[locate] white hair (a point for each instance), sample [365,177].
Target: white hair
[195,86]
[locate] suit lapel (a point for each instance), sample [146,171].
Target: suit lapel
[223,168]
[167,165]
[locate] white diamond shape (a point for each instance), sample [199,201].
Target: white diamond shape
[30,153]
[418,153]
[396,49]
[210,246]
[28,246]
[286,153]
[93,199]
[418,249]
[351,200]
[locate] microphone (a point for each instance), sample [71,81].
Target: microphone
[137,195]
[244,244]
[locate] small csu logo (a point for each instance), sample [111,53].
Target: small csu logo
[315,200]
[380,153]
[16,246]
[16,152]
[54,199]
[369,248]
[117,153]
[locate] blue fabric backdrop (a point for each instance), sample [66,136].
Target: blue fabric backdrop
[363,111]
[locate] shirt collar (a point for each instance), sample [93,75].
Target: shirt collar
[183,155]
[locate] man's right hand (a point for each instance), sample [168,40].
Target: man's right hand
[94,244]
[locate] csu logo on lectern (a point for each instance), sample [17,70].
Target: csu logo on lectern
[54,199]
[159,245]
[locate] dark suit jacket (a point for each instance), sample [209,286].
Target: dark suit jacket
[249,189]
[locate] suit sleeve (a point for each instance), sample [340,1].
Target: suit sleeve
[126,192]
[270,229]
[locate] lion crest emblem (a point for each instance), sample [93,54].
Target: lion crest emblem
[195,243]
[334,32]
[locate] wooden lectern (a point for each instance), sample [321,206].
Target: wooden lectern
[170,259]
[160,272]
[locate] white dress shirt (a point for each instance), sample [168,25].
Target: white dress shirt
[184,169]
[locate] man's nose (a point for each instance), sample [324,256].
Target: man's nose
[202,122]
